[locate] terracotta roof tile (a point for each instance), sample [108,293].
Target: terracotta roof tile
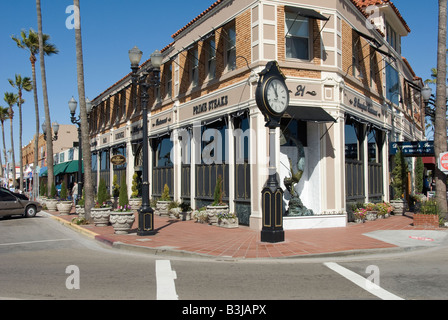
[365,3]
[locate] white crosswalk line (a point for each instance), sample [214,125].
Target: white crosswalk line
[362,282]
[166,288]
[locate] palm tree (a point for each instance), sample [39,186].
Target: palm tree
[30,43]
[4,115]
[11,99]
[21,84]
[440,135]
[85,136]
[49,133]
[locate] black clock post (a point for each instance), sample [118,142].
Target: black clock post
[272,98]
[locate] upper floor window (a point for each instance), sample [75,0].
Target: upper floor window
[392,38]
[211,61]
[194,67]
[392,84]
[297,36]
[169,80]
[231,49]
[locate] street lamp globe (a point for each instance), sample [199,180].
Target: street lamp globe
[55,127]
[135,55]
[72,105]
[88,106]
[156,59]
[426,93]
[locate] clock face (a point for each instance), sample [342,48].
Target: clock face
[277,96]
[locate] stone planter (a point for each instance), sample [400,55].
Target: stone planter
[212,212]
[162,208]
[42,200]
[359,220]
[135,203]
[185,216]
[228,223]
[426,220]
[80,211]
[122,221]
[371,215]
[64,207]
[51,204]
[399,206]
[100,216]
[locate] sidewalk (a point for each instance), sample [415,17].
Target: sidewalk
[190,239]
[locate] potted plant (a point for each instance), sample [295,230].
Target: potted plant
[384,209]
[217,207]
[360,215]
[123,217]
[43,193]
[428,216]
[115,191]
[185,212]
[52,202]
[101,212]
[135,201]
[64,206]
[164,202]
[80,206]
[227,220]
[399,178]
[371,213]
[174,209]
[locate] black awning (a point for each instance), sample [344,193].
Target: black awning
[307,13]
[311,114]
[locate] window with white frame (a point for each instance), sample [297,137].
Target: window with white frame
[231,49]
[392,38]
[297,36]
[169,80]
[194,70]
[392,84]
[211,61]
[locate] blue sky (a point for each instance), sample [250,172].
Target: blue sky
[111,27]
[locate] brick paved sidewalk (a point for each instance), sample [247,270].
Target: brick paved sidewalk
[189,237]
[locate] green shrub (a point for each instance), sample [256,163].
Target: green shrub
[123,197]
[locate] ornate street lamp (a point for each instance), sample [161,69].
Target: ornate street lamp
[146,213]
[55,127]
[72,105]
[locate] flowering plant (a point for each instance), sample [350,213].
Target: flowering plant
[225,215]
[360,213]
[384,208]
[125,208]
[369,207]
[103,205]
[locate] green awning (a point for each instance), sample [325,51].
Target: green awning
[73,167]
[60,168]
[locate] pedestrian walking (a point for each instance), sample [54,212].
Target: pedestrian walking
[75,193]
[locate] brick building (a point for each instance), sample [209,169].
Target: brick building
[351,93]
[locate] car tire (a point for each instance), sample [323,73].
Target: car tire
[30,212]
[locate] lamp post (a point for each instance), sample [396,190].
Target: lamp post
[72,105]
[146,213]
[55,130]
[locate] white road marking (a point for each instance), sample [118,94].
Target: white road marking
[362,282]
[31,242]
[166,288]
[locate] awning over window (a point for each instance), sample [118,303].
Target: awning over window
[312,114]
[307,13]
[62,168]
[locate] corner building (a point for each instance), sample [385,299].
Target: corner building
[352,92]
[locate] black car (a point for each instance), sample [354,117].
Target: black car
[12,204]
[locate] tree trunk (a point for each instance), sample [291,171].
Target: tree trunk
[49,132]
[36,137]
[440,136]
[85,132]
[5,154]
[20,141]
[11,116]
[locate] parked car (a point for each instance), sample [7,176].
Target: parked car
[12,205]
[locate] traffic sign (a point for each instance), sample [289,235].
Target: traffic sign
[443,162]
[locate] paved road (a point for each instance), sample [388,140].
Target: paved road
[41,259]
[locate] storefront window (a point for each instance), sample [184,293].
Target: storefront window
[162,156]
[351,142]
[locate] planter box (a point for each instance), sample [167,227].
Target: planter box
[212,212]
[399,206]
[135,203]
[162,208]
[64,207]
[228,223]
[426,220]
[100,216]
[51,204]
[371,215]
[121,221]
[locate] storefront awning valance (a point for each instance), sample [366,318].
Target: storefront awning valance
[311,114]
[307,13]
[73,167]
[62,168]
